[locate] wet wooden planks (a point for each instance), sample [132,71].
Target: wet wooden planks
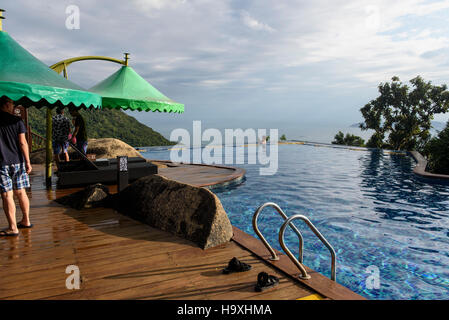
[120,258]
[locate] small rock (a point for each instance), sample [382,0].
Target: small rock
[90,197]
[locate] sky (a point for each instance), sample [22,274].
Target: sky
[303,67]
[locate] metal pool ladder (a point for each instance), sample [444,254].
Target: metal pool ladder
[288,222]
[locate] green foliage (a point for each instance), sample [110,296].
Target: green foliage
[376,141]
[106,124]
[437,152]
[348,140]
[403,115]
[38,146]
[339,138]
[283,138]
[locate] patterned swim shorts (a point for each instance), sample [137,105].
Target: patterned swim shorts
[13,177]
[59,147]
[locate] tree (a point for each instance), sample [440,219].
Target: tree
[339,138]
[352,140]
[401,116]
[437,152]
[283,138]
[348,140]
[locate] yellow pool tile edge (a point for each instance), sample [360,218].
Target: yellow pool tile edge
[314,296]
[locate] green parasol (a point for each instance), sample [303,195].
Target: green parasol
[126,89]
[28,81]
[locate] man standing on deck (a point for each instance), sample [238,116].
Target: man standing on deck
[60,135]
[15,166]
[79,134]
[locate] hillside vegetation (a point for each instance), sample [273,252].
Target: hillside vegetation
[106,124]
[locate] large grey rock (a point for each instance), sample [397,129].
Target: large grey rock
[108,148]
[190,212]
[90,197]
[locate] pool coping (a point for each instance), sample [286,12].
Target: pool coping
[420,168]
[318,282]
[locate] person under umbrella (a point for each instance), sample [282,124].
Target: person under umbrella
[60,135]
[79,136]
[15,166]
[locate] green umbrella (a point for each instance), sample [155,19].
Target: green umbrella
[28,81]
[126,89]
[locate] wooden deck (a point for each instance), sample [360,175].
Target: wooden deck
[200,175]
[120,258]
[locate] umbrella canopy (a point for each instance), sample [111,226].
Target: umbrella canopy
[125,89]
[27,80]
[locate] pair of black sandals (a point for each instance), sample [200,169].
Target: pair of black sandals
[264,280]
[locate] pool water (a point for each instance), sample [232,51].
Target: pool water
[368,204]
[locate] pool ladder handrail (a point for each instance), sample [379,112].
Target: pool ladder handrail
[287,221]
[317,233]
[274,257]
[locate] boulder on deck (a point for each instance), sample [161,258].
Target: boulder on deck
[103,148]
[187,211]
[107,148]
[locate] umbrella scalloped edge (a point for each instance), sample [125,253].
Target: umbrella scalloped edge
[142,105]
[39,96]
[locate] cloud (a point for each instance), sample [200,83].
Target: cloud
[290,57]
[149,5]
[252,23]
[213,83]
[348,36]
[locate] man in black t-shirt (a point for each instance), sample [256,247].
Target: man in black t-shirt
[14,167]
[79,133]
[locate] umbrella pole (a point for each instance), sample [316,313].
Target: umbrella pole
[48,160]
[1,18]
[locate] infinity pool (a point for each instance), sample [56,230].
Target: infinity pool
[369,205]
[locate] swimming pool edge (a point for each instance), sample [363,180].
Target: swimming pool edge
[318,282]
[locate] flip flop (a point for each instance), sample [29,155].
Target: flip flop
[5,233]
[235,265]
[21,226]
[265,281]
